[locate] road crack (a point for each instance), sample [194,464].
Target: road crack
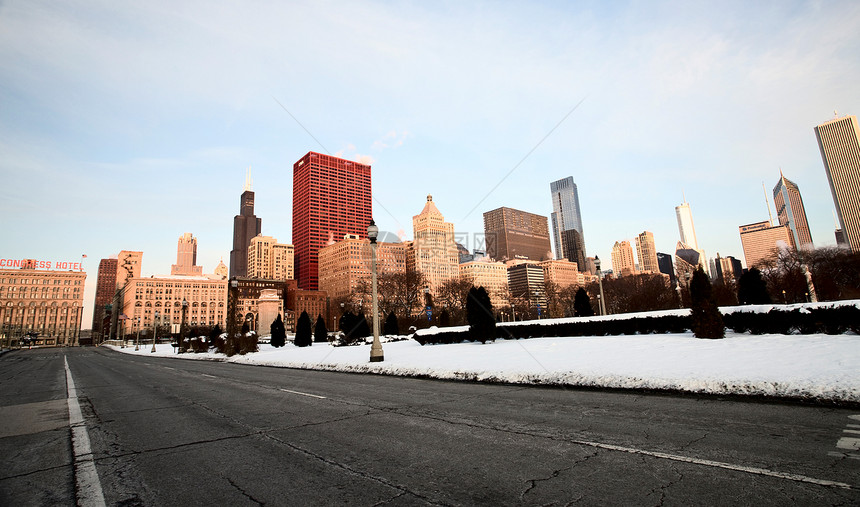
[245,493]
[534,482]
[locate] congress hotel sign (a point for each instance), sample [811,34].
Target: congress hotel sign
[40,264]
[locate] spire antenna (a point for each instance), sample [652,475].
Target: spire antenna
[248,180]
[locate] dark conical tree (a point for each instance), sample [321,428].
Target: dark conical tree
[444,318]
[479,314]
[752,289]
[362,329]
[320,331]
[303,331]
[707,321]
[582,304]
[245,328]
[392,328]
[279,332]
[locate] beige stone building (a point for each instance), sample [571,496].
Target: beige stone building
[760,241]
[44,302]
[490,275]
[433,250]
[158,301]
[127,266]
[186,257]
[270,260]
[646,250]
[564,273]
[623,263]
[345,266]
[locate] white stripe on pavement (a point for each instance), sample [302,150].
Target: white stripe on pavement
[304,394]
[89,488]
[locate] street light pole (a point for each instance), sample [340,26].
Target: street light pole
[376,354]
[137,340]
[181,347]
[155,331]
[602,304]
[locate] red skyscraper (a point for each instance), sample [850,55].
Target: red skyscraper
[105,289]
[331,197]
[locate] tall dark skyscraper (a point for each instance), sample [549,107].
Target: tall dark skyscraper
[105,289]
[567,222]
[839,142]
[331,198]
[246,226]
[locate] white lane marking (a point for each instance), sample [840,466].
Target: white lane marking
[89,488]
[168,368]
[718,464]
[853,425]
[855,432]
[304,394]
[852,444]
[210,376]
[855,417]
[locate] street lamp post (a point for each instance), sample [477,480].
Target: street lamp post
[231,316]
[600,298]
[181,347]
[155,331]
[137,340]
[375,349]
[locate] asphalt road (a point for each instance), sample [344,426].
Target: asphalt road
[173,432]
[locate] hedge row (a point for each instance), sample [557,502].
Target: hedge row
[831,320]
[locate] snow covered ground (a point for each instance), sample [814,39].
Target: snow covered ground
[823,367]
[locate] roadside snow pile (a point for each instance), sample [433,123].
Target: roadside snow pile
[820,367]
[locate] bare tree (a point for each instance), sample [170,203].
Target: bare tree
[452,295]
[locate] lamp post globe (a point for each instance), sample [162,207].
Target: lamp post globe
[376,354]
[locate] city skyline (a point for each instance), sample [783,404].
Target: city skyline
[126,126]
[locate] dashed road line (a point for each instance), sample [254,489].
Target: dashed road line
[210,376]
[304,394]
[89,488]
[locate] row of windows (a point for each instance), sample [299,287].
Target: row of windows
[39,281]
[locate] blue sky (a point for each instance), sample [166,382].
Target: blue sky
[125,124]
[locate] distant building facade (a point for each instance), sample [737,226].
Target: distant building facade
[331,198]
[567,221]
[790,211]
[492,276]
[761,239]
[623,262]
[526,284]
[269,259]
[646,250]
[344,267]
[105,289]
[186,257]
[839,143]
[513,234]
[47,304]
[563,273]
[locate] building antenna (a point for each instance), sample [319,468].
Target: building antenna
[248,180]
[766,203]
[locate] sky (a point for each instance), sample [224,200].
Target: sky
[124,125]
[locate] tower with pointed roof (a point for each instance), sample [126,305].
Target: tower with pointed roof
[433,251]
[790,210]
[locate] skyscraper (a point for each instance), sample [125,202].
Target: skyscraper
[270,260]
[433,251]
[839,142]
[186,257]
[566,218]
[246,225]
[331,198]
[514,234]
[685,225]
[647,252]
[623,263]
[105,289]
[790,210]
